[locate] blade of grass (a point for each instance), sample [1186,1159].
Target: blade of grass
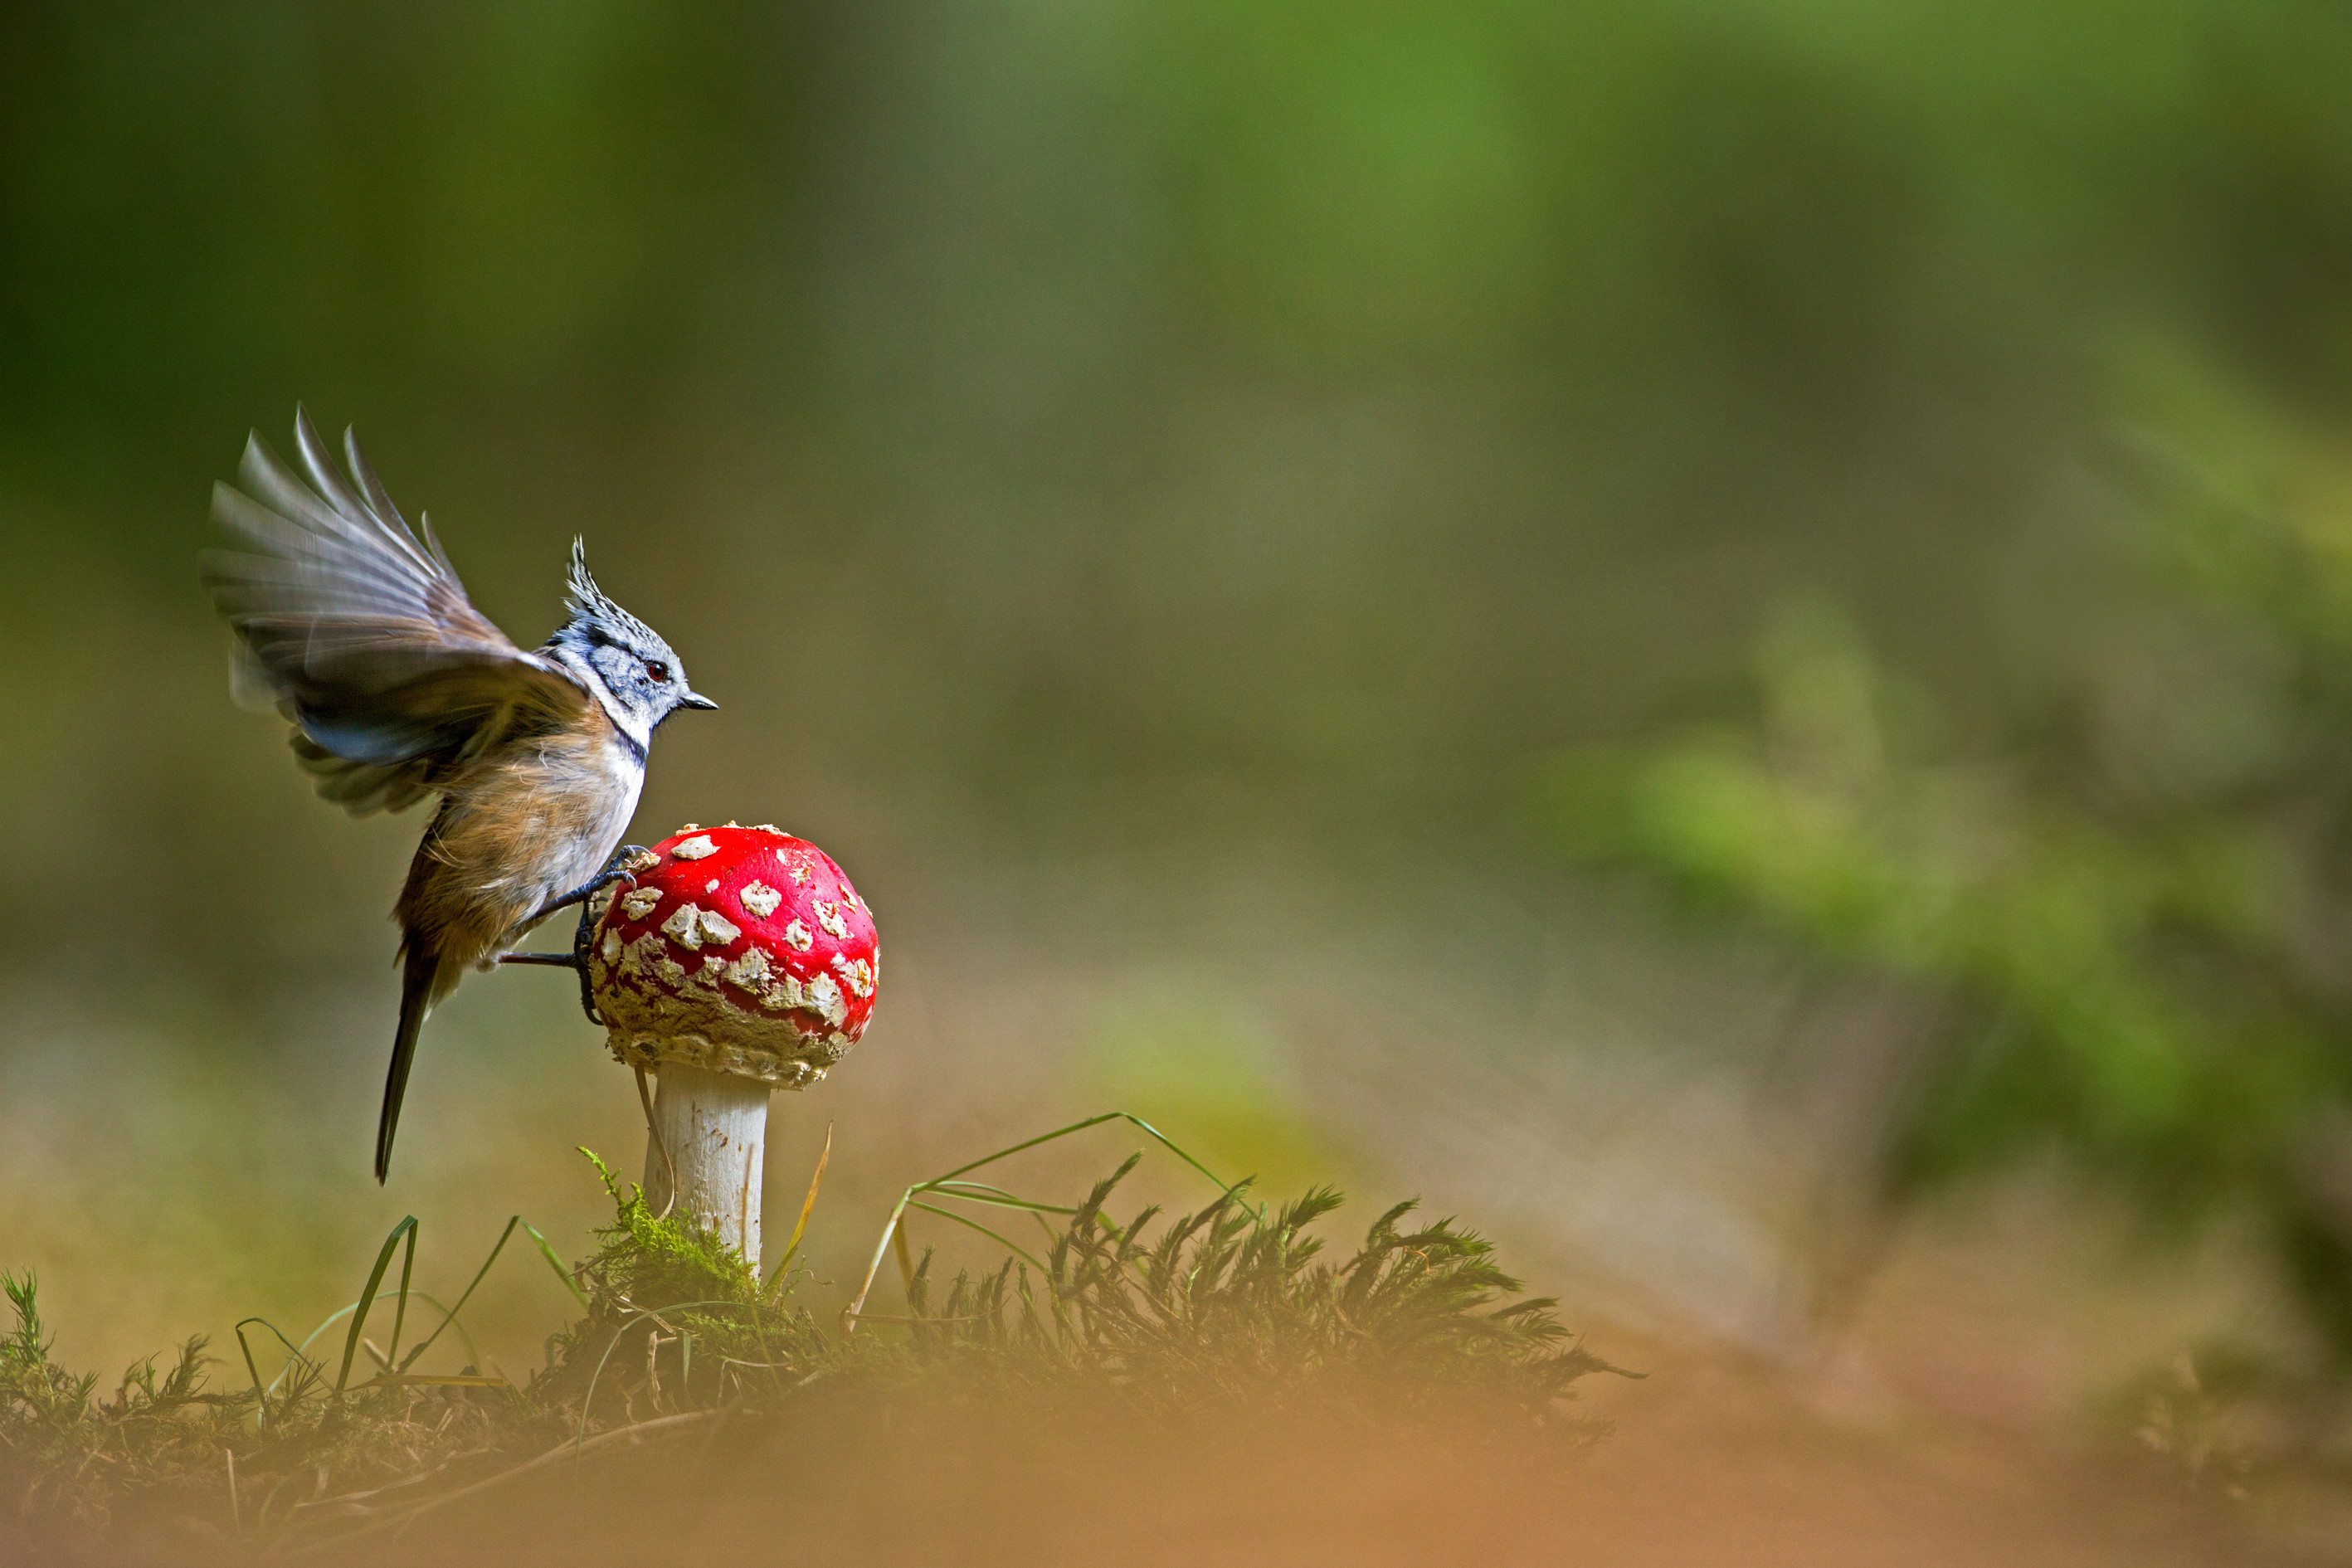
[1165,1142]
[890,1227]
[261,1394]
[450,1315]
[338,1315]
[975,1224]
[406,1228]
[981,1193]
[557,1264]
[808,1205]
[400,1307]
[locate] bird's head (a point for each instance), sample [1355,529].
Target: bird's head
[612,649]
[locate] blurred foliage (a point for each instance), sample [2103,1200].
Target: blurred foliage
[1193,417]
[2130,904]
[1130,436]
[2184,1415]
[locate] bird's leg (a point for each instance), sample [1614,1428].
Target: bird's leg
[616,869]
[629,860]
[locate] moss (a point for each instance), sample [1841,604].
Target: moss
[1229,1303]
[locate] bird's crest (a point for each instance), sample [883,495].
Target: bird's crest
[587,602]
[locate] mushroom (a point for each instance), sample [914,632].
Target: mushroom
[741,962]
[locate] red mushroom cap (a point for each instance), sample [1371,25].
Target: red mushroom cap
[743,950]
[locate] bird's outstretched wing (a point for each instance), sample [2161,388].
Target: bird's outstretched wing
[361,634]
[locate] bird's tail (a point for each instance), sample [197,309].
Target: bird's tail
[419,968]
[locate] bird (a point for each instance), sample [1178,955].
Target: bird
[361,635]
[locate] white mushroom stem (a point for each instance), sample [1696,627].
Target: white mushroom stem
[715,1126]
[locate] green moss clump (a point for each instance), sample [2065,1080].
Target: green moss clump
[681,1320]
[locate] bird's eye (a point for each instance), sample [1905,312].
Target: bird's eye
[656,672]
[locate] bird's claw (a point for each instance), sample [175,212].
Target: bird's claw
[583,937]
[594,897]
[623,867]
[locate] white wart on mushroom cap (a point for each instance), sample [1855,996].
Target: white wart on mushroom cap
[742,950]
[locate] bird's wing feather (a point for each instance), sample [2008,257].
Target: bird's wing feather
[363,635]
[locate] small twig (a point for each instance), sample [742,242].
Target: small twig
[654,1343]
[235,1510]
[740,1390]
[350,1502]
[560,1451]
[433,1380]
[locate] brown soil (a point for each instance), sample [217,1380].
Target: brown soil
[1715,1460]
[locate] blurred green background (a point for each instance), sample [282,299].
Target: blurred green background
[1262,536]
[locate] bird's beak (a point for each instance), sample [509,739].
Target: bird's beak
[695,699]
